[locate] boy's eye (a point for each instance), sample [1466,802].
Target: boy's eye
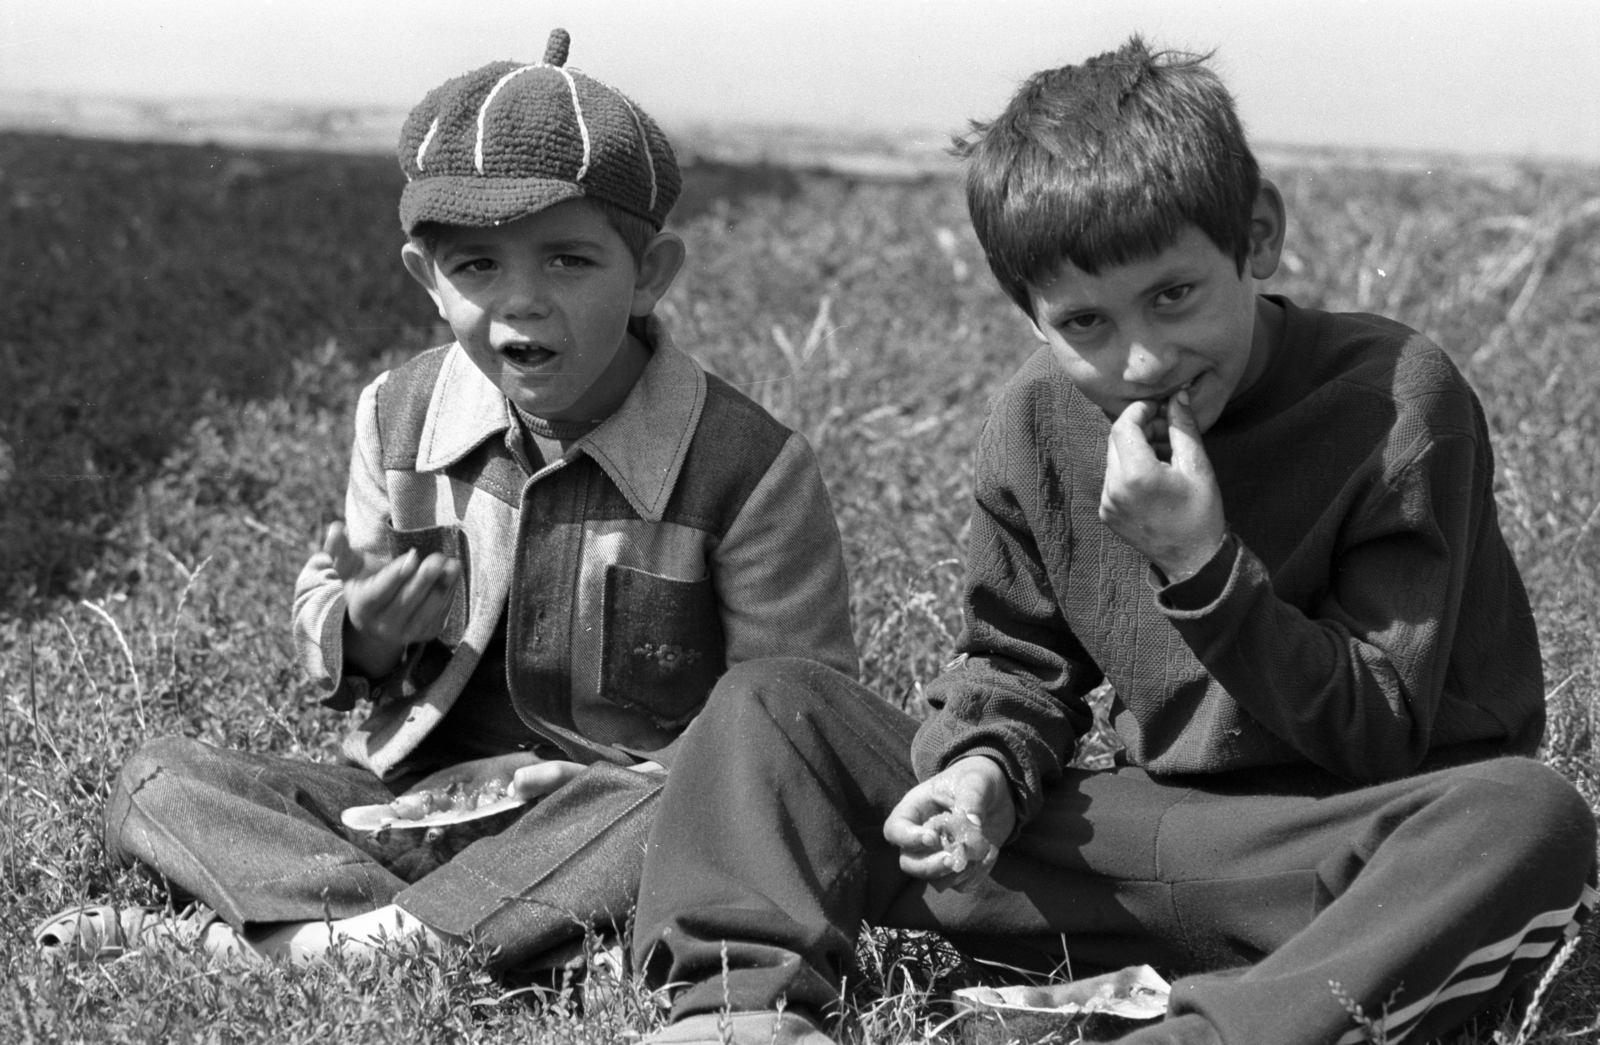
[1080,324]
[569,261]
[474,265]
[1173,295]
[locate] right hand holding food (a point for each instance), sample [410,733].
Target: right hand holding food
[390,603]
[950,827]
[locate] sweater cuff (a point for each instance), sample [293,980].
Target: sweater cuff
[1206,586]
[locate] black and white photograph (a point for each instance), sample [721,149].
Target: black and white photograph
[732,522]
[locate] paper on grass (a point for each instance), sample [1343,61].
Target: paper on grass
[1134,993]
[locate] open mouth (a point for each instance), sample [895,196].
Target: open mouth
[524,353]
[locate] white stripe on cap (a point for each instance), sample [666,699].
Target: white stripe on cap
[483,110]
[583,128]
[427,139]
[644,140]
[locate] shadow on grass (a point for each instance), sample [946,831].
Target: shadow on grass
[148,283]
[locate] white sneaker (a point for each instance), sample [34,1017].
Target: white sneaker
[741,1028]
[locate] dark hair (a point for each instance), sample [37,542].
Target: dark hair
[1105,163]
[636,232]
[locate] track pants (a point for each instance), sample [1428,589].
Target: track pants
[1421,900]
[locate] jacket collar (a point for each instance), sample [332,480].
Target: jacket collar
[641,447]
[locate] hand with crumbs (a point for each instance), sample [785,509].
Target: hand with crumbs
[1168,510]
[950,827]
[389,603]
[961,837]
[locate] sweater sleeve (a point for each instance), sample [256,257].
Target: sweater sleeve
[779,570]
[1016,689]
[319,607]
[1354,682]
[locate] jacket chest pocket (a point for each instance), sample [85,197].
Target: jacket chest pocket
[449,541]
[663,646]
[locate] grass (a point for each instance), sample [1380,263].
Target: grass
[181,338]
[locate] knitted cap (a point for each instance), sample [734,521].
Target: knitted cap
[507,140]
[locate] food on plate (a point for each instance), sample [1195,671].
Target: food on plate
[420,830]
[415,805]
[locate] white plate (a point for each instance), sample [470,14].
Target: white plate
[375,818]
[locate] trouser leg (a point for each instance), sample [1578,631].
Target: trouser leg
[767,850]
[1435,896]
[569,865]
[252,836]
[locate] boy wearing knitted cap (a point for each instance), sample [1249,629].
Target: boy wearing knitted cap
[559,532]
[1272,531]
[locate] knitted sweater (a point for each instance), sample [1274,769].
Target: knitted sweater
[1365,615]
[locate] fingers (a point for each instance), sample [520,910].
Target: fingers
[421,582]
[406,601]
[375,592]
[1129,445]
[1172,512]
[540,779]
[1188,452]
[347,562]
[418,610]
[921,855]
[904,828]
[975,787]
[974,873]
[931,867]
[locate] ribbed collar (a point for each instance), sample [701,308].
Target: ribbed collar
[641,447]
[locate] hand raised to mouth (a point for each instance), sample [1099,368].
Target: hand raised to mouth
[1168,508]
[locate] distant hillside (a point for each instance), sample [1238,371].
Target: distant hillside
[373,129]
[870,154]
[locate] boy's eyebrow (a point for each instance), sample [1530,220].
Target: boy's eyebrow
[1177,272]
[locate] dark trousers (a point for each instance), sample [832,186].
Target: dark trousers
[1427,898]
[259,840]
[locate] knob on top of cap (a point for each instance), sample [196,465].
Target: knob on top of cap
[555,52]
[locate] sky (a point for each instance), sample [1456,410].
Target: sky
[1507,77]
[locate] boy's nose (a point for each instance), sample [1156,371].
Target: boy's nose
[1149,363]
[523,299]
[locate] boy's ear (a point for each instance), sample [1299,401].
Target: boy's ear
[1267,223]
[658,266]
[417,263]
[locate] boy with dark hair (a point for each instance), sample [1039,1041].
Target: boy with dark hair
[559,532]
[1272,530]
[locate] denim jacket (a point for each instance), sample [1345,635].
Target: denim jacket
[688,532]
